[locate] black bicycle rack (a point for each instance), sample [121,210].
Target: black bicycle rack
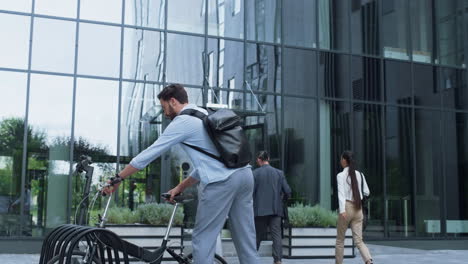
[108,246]
[67,240]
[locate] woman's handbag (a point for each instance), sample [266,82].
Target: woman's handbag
[365,208]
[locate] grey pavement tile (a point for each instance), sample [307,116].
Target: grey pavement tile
[381,254]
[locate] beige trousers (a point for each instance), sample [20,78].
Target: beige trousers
[354,218]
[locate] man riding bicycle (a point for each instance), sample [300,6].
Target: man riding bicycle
[224,191]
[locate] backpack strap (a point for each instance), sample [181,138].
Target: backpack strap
[193,112]
[204,152]
[200,115]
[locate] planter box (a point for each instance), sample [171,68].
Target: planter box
[149,236]
[311,242]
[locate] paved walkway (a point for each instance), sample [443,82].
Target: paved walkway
[382,255]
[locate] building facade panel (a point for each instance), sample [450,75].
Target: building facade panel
[310,78]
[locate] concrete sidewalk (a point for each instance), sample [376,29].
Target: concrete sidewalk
[381,254]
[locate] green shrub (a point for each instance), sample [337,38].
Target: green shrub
[94,217]
[152,213]
[311,216]
[120,215]
[159,214]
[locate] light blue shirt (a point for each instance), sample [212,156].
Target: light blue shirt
[190,130]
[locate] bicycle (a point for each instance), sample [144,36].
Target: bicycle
[62,245]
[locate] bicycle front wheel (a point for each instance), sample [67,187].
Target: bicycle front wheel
[217,259]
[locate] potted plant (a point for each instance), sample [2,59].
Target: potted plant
[312,233]
[146,226]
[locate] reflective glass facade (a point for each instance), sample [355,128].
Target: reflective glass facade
[311,78]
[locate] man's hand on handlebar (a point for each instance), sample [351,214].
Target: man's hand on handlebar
[173,192]
[112,185]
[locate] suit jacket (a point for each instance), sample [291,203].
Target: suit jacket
[269,191]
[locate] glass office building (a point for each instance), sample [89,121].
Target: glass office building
[311,78]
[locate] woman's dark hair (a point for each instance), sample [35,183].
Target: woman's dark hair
[263,155]
[349,157]
[174,90]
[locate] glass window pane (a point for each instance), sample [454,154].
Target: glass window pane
[53,45]
[399,171]
[452,84]
[263,68]
[428,172]
[333,24]
[333,75]
[300,141]
[300,72]
[368,150]
[62,8]
[226,18]
[225,63]
[99,50]
[145,13]
[231,99]
[448,20]
[186,15]
[264,20]
[300,23]
[421,29]
[41,109]
[260,103]
[263,127]
[17,5]
[195,95]
[365,78]
[143,55]
[334,139]
[96,115]
[141,117]
[50,151]
[13,99]
[365,27]
[12,109]
[394,26]
[456,171]
[425,89]
[398,82]
[102,10]
[185,59]
[466,29]
[14,47]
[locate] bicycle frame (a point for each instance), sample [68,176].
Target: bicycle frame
[150,256]
[84,166]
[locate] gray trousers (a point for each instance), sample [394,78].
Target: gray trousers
[231,197]
[274,223]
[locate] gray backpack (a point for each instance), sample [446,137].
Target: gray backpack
[225,130]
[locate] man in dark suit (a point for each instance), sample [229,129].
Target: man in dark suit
[270,190]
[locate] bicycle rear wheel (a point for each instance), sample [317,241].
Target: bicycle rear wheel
[217,259]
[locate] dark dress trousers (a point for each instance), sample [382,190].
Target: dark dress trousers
[270,189]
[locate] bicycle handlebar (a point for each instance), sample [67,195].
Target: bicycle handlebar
[112,181]
[179,198]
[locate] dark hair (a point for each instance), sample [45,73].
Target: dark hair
[175,91]
[263,155]
[349,157]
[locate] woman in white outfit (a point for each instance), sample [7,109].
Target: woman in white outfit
[349,199]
